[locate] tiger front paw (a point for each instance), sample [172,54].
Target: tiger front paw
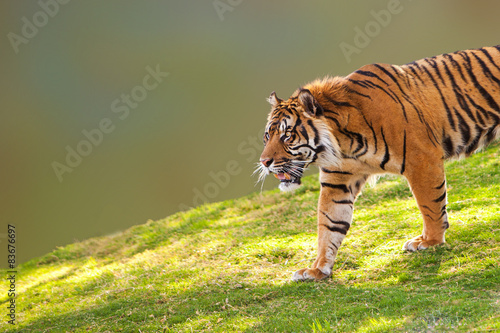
[418,243]
[310,274]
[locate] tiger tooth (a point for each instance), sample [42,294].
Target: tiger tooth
[287,176]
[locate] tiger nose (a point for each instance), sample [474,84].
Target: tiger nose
[266,161]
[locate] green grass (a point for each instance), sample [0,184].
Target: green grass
[226,267]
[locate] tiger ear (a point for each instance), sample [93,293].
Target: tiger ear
[311,106]
[274,100]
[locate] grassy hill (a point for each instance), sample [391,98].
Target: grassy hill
[226,267]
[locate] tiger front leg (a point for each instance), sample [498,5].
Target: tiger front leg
[428,185]
[336,203]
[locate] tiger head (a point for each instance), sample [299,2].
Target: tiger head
[296,136]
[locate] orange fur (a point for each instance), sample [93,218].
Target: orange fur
[384,119]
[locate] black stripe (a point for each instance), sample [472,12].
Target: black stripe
[301,146]
[336,229]
[343,202]
[464,128]
[303,131]
[455,65]
[386,155]
[479,110]
[440,198]
[319,150]
[373,133]
[404,154]
[463,104]
[486,70]
[335,171]
[473,146]
[448,112]
[316,134]
[358,137]
[488,114]
[334,120]
[390,76]
[458,92]
[491,102]
[426,207]
[341,187]
[443,100]
[368,84]
[419,113]
[374,139]
[490,58]
[480,119]
[448,146]
[330,111]
[364,151]
[290,151]
[430,133]
[490,135]
[440,186]
[401,76]
[352,91]
[298,122]
[361,83]
[343,230]
[431,62]
[399,86]
[443,209]
[347,225]
[370,74]
[415,73]
[429,217]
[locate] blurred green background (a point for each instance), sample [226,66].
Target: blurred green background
[195,135]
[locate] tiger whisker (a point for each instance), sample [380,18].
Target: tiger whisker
[262,173]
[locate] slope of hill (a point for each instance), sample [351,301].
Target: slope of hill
[226,267]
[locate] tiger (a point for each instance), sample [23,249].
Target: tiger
[397,119]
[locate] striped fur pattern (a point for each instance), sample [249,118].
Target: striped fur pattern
[383,119]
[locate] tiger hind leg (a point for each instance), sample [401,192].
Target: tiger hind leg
[428,185]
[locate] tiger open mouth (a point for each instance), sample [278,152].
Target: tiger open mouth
[289,181]
[287,178]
